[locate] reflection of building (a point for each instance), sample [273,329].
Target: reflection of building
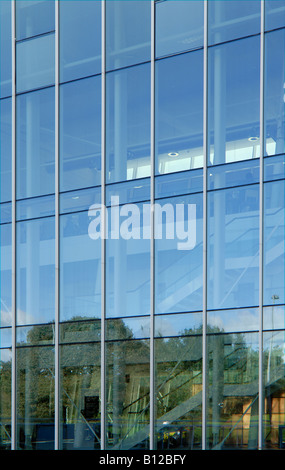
[134,343]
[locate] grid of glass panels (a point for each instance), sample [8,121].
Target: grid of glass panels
[179,103]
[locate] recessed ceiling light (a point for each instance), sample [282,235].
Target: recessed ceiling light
[253,139]
[173,154]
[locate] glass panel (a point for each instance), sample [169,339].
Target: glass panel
[274,94]
[179,254]
[5,49]
[127,260]
[274,234]
[274,168]
[34,17]
[128,192]
[233,247]
[35,271]
[35,143]
[274,14]
[236,320]
[35,398]
[6,275]
[5,398]
[80,39]
[274,316]
[234,115]
[81,200]
[128,31]
[80,268]
[128,123]
[80,396]
[6,337]
[234,19]
[232,421]
[176,184]
[179,392]
[35,63]
[34,208]
[179,26]
[80,134]
[127,389]
[179,112]
[35,335]
[177,324]
[274,390]
[233,174]
[5,149]
[128,328]
[80,331]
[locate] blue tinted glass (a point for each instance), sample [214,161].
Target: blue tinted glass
[35,143]
[5,149]
[232,19]
[80,39]
[234,101]
[234,174]
[80,269]
[179,254]
[5,49]
[35,271]
[274,168]
[175,184]
[274,93]
[127,33]
[5,213]
[246,319]
[80,200]
[177,324]
[34,18]
[80,134]
[233,247]
[179,113]
[35,63]
[274,14]
[6,275]
[129,192]
[35,207]
[274,232]
[128,123]
[179,26]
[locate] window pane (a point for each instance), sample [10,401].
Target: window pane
[80,269]
[275,92]
[179,26]
[128,123]
[6,275]
[35,143]
[35,271]
[234,115]
[34,17]
[274,14]
[233,247]
[80,134]
[35,63]
[6,149]
[234,19]
[173,184]
[127,33]
[5,398]
[5,49]
[234,174]
[179,113]
[80,39]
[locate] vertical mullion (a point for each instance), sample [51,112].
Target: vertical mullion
[57,233]
[152,247]
[13,376]
[261,232]
[103,220]
[205,154]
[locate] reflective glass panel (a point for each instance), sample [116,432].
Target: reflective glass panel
[179,112]
[234,101]
[177,324]
[274,14]
[6,149]
[179,254]
[35,398]
[232,19]
[35,335]
[5,49]
[127,33]
[35,63]
[274,316]
[179,26]
[80,39]
[235,320]
[176,184]
[35,271]
[274,93]
[80,400]
[274,168]
[128,123]
[178,391]
[80,134]
[35,207]
[34,17]
[35,149]
[233,247]
[274,234]
[233,174]
[5,398]
[232,420]
[128,328]
[6,275]
[80,268]
[81,331]
[127,385]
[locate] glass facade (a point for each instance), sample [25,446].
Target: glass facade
[142,192]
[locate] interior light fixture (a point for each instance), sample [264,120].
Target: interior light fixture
[253,139]
[173,154]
